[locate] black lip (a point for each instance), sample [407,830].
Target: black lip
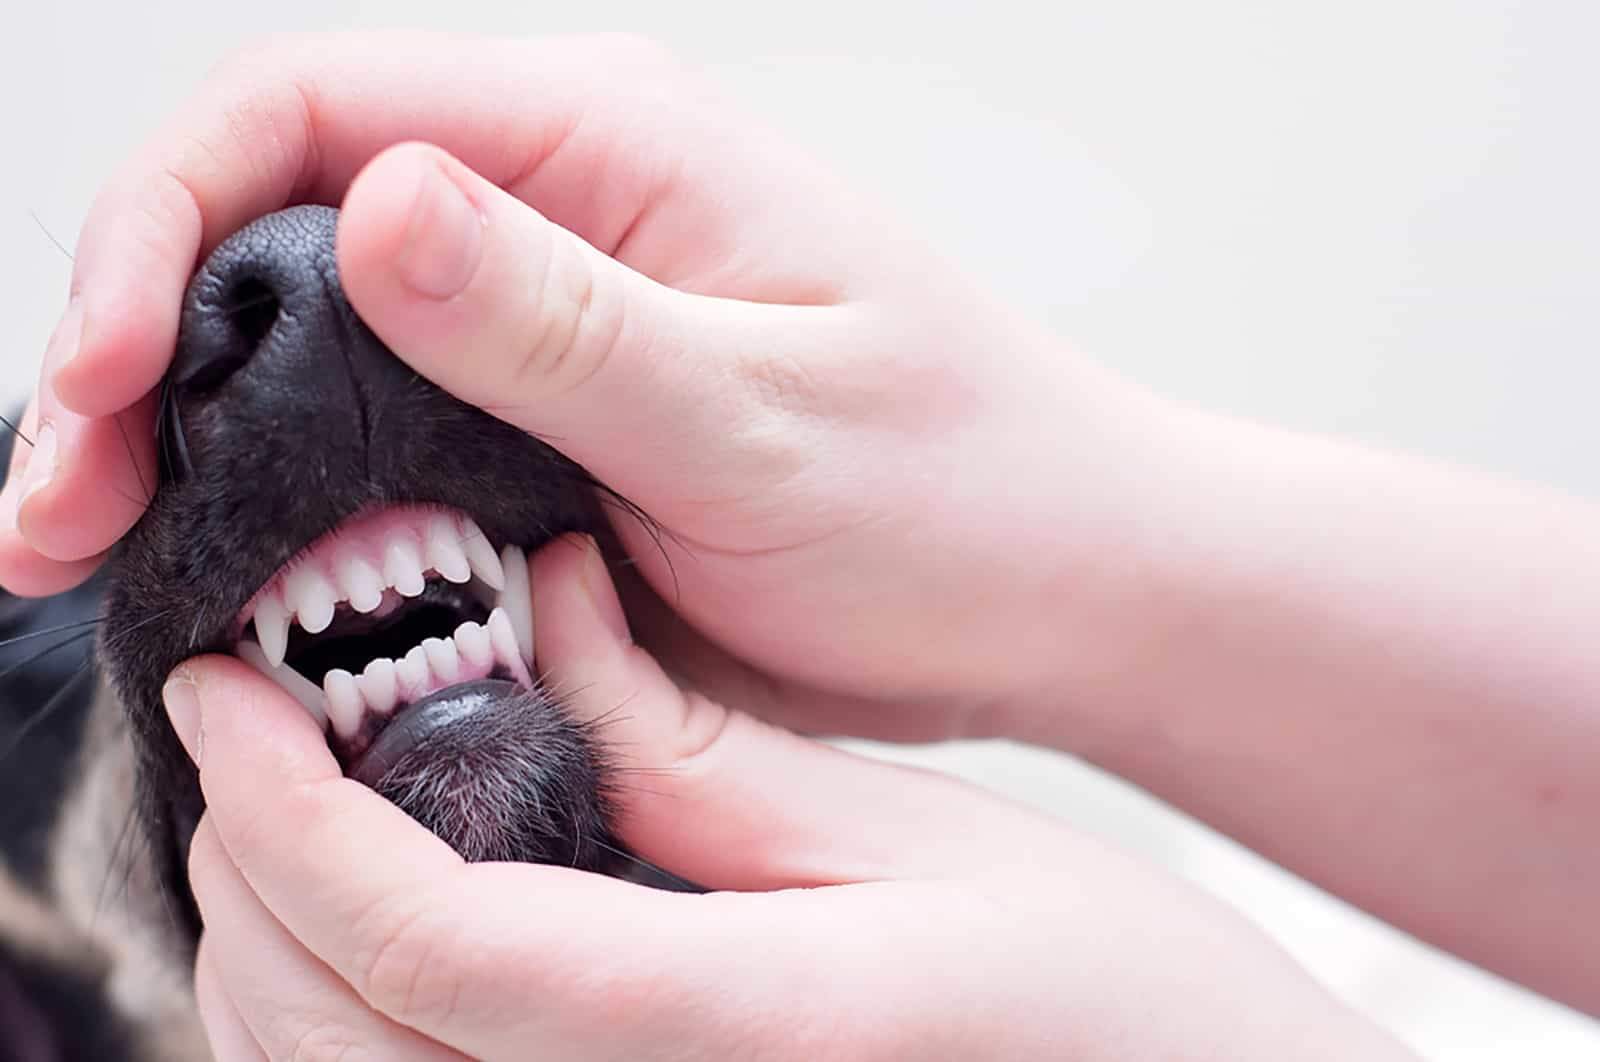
[420,720]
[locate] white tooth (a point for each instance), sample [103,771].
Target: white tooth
[442,660]
[345,706]
[445,554]
[272,627]
[517,600]
[312,597]
[361,583]
[379,686]
[481,555]
[504,641]
[297,685]
[402,565]
[472,642]
[411,671]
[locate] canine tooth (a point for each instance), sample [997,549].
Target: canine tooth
[517,600]
[309,593]
[345,704]
[481,555]
[411,672]
[402,565]
[442,659]
[272,627]
[445,554]
[380,686]
[504,641]
[361,583]
[472,642]
[295,684]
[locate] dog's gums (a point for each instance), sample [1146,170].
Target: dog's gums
[388,608]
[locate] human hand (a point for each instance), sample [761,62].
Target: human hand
[880,912]
[878,490]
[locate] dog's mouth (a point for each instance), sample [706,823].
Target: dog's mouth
[397,623]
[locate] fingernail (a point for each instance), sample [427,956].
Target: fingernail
[41,464]
[444,239]
[602,593]
[64,341]
[182,698]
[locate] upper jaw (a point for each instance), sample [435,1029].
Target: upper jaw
[387,562]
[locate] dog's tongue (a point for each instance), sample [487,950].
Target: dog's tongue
[427,720]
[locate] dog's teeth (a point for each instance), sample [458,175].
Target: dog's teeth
[504,641]
[472,642]
[312,597]
[272,627]
[411,671]
[361,583]
[517,601]
[442,660]
[380,686]
[345,704]
[445,553]
[481,555]
[295,684]
[402,565]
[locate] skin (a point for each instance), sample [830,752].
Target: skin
[398,947]
[1370,668]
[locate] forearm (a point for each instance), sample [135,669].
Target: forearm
[1377,671]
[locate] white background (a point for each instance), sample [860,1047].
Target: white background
[1371,218]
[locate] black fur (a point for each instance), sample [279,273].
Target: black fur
[282,416]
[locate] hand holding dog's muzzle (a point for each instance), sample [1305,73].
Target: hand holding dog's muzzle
[869,911]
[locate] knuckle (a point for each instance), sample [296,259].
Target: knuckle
[781,382]
[577,322]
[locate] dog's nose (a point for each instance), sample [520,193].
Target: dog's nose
[272,287]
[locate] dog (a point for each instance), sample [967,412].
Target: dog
[354,533]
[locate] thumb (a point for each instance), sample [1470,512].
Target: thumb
[640,383]
[728,801]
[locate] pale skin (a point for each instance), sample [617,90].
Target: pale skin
[1375,670]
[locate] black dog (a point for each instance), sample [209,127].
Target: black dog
[349,529]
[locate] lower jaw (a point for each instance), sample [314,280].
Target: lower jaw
[421,720]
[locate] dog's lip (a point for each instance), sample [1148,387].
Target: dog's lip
[455,706]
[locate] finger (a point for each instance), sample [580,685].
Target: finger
[73,487]
[639,383]
[291,1003]
[24,571]
[87,479]
[229,1037]
[579,126]
[491,958]
[727,801]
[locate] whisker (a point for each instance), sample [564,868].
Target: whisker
[51,630]
[15,430]
[132,460]
[123,835]
[683,883]
[46,651]
[53,702]
[50,236]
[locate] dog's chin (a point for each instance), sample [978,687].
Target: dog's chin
[497,771]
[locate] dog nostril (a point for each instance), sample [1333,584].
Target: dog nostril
[252,309]
[237,324]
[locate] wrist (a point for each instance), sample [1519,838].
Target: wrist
[1094,593]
